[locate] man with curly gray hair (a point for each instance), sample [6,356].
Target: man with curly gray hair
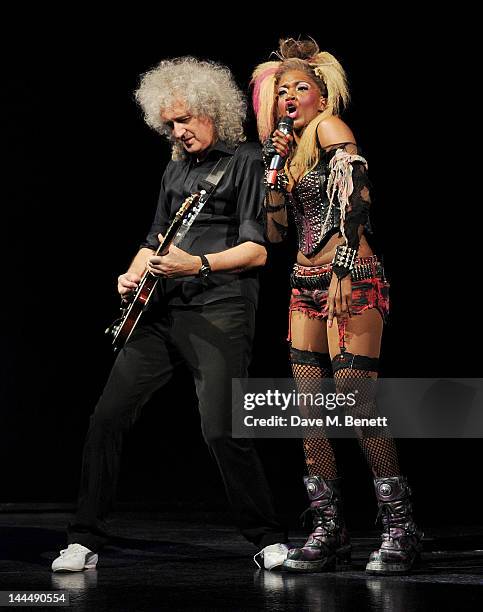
[202,314]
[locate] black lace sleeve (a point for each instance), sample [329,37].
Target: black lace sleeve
[349,189]
[276,218]
[359,201]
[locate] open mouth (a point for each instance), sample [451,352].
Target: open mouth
[291,110]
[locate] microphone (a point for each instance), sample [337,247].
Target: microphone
[285,125]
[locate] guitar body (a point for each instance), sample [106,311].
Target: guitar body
[122,328]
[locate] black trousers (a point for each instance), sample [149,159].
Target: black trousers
[215,342]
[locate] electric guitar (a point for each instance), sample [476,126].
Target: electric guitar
[121,329]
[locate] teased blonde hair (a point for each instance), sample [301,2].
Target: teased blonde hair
[327,73]
[207,88]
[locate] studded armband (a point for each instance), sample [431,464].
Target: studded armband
[344,261]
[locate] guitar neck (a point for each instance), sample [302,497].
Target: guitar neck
[122,328]
[168,238]
[170,234]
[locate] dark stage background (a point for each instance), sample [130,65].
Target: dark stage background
[80,193]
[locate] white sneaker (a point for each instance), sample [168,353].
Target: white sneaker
[272,556]
[75,558]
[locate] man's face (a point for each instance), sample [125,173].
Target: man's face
[196,134]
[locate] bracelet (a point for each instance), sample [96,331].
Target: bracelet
[344,260]
[281,182]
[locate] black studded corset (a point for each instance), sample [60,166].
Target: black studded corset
[324,203]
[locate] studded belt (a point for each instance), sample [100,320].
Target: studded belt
[319,277]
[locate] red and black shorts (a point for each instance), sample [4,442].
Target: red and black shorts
[310,288]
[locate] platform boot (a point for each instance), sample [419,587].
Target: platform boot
[328,546]
[401,539]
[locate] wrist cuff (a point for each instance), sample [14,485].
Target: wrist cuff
[344,260]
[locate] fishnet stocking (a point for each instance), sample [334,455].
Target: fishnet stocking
[318,451]
[379,449]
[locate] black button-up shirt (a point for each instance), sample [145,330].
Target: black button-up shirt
[232,215]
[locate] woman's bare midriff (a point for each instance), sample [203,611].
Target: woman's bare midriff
[326,255]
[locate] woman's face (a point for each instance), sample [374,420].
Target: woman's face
[299,97]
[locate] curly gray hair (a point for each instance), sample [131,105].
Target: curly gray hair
[207,88]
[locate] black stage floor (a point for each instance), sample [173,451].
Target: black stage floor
[164,561]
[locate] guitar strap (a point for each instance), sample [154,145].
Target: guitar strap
[209,185]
